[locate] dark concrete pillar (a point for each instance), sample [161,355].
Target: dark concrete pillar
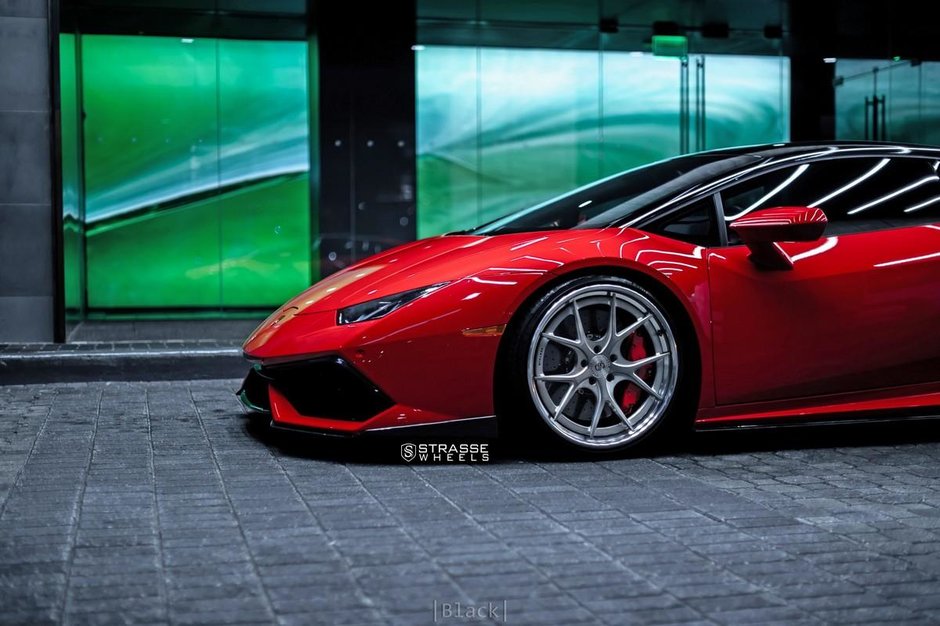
[364,74]
[27,241]
[812,96]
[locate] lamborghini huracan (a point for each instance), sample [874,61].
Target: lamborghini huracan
[759,286]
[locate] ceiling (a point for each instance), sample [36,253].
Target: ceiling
[570,24]
[256,7]
[240,19]
[738,14]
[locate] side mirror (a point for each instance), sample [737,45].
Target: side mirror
[761,231]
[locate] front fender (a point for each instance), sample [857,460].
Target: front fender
[676,269]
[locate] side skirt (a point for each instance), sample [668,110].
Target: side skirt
[822,420]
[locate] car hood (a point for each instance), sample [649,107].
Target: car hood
[410,266]
[420,264]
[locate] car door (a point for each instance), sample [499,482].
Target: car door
[860,308]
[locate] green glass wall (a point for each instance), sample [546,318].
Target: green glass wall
[195,172]
[73,242]
[501,128]
[907,95]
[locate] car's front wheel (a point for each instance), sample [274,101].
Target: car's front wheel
[601,361]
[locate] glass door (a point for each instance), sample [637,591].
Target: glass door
[185,169]
[887,101]
[150,155]
[733,100]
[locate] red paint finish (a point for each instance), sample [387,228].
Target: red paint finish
[850,328]
[762,230]
[396,417]
[911,400]
[856,312]
[419,355]
[785,223]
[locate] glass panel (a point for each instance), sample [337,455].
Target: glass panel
[747,100]
[904,102]
[910,94]
[500,129]
[929,131]
[196,172]
[264,195]
[641,110]
[151,168]
[857,194]
[72,222]
[695,225]
[540,131]
[448,131]
[612,200]
[854,83]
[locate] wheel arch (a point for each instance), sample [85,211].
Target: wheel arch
[691,334]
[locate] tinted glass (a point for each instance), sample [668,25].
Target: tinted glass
[695,224]
[615,199]
[857,194]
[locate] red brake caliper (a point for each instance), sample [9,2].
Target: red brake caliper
[631,395]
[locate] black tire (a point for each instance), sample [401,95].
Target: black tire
[522,404]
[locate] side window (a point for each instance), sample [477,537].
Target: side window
[857,194]
[695,224]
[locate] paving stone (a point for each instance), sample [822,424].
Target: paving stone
[154,502]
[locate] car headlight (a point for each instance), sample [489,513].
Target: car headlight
[380,307]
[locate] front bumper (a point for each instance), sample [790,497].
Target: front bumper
[326,387]
[328,395]
[425,363]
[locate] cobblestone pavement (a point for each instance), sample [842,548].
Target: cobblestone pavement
[161,502]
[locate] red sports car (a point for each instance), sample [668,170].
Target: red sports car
[766,285]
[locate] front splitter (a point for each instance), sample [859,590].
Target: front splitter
[484,427]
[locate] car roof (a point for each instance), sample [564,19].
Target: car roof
[728,164]
[792,149]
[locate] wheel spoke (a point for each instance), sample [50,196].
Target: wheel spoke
[598,411]
[570,377]
[630,367]
[632,328]
[642,384]
[648,360]
[565,341]
[611,332]
[615,407]
[579,325]
[569,394]
[620,414]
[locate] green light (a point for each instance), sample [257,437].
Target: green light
[896,59]
[586,123]
[670,45]
[196,186]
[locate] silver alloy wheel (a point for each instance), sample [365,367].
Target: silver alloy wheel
[579,368]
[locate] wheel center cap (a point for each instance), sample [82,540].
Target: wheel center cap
[600,364]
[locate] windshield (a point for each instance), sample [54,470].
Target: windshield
[616,198]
